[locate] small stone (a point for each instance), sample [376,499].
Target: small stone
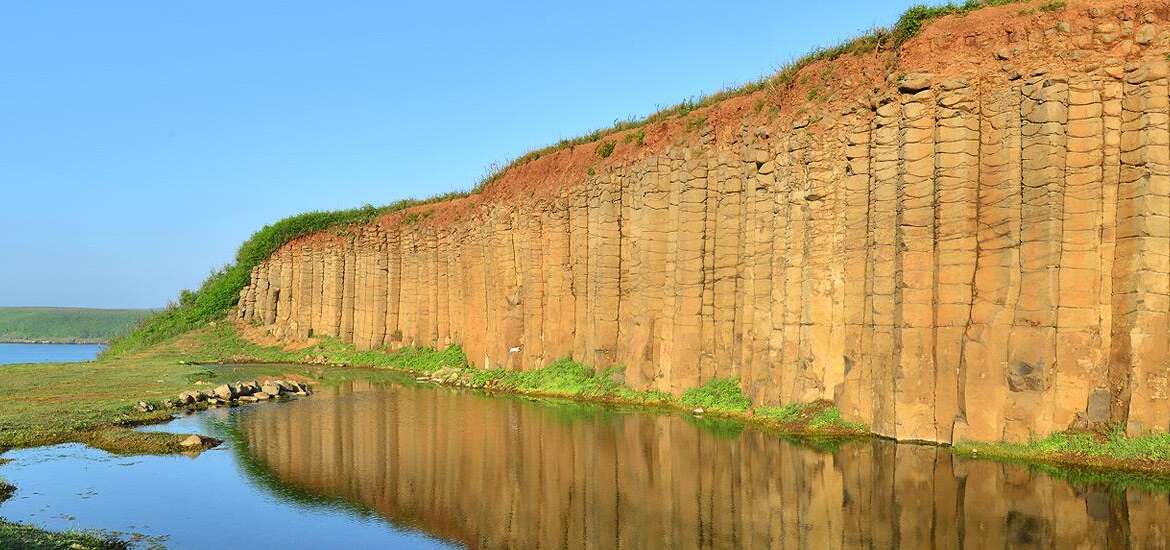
[1003,54]
[1064,27]
[697,411]
[247,399]
[914,82]
[192,441]
[261,396]
[143,406]
[1145,34]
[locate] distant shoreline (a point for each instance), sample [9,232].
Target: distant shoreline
[52,341]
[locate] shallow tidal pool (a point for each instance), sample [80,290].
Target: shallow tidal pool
[363,465]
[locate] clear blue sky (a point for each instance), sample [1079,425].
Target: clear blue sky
[142,141]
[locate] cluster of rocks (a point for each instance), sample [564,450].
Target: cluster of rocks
[242,392]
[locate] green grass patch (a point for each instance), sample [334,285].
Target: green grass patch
[568,378]
[605,149]
[789,413]
[67,325]
[830,418]
[222,343]
[1113,444]
[718,394]
[27,537]
[818,416]
[637,137]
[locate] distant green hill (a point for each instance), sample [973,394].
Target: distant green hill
[66,324]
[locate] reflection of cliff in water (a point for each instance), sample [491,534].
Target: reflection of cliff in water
[493,473]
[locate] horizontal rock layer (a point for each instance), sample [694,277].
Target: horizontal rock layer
[970,256]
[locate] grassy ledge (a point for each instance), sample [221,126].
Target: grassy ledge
[1102,450]
[221,290]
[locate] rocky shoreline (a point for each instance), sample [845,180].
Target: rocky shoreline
[238,393]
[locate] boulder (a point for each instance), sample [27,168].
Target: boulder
[286,386]
[270,388]
[189,397]
[224,392]
[145,407]
[261,396]
[191,442]
[244,388]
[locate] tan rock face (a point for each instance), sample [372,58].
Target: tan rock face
[977,255]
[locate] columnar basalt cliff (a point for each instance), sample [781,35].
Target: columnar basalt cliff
[966,238]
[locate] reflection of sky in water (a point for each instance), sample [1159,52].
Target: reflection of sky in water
[201,502]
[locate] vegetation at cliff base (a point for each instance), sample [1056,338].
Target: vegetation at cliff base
[718,394]
[1111,444]
[566,377]
[66,325]
[819,415]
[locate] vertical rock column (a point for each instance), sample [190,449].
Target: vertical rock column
[1032,361]
[856,397]
[1080,355]
[881,338]
[1141,281]
[957,205]
[915,375]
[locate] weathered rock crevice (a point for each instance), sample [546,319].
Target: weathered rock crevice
[976,247]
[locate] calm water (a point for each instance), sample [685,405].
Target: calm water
[365,466]
[47,353]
